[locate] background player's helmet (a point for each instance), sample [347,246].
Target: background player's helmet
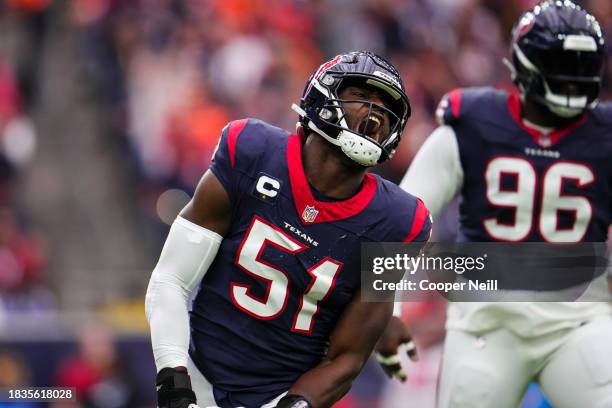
[321,109]
[558,57]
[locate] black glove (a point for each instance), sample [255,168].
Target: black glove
[293,401]
[174,389]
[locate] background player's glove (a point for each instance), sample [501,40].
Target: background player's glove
[387,350]
[174,389]
[293,401]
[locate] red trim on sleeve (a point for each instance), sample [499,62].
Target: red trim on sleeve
[454,97]
[234,130]
[309,209]
[420,215]
[514,106]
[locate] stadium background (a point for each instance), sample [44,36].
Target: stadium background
[109,113]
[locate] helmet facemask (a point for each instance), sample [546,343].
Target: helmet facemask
[565,91]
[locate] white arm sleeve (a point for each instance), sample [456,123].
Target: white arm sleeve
[435,175]
[187,254]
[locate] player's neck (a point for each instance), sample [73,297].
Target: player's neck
[329,171]
[540,115]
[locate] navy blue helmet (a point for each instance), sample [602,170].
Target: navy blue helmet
[322,111]
[558,57]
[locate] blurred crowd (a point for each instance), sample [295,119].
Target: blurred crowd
[23,263]
[173,73]
[177,71]
[102,370]
[169,74]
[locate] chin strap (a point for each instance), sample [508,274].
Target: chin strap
[357,148]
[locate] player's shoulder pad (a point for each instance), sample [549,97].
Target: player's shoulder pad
[408,218]
[247,139]
[463,103]
[602,113]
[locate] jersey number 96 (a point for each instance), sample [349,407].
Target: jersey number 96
[523,200]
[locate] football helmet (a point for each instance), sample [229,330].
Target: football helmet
[322,111]
[558,57]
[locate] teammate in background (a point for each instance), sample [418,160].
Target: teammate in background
[272,241]
[530,167]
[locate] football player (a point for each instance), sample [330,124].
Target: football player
[532,166]
[271,241]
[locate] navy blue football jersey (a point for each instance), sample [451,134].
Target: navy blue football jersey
[288,266]
[524,185]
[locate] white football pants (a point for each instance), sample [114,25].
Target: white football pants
[204,391]
[573,367]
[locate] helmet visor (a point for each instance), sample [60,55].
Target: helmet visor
[571,73]
[576,64]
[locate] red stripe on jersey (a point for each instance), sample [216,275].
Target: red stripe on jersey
[558,134]
[514,106]
[420,215]
[322,211]
[235,128]
[454,98]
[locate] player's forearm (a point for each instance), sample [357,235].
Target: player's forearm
[188,252]
[329,381]
[166,307]
[351,345]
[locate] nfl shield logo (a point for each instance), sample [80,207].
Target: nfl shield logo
[309,213]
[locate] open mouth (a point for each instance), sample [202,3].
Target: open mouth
[370,125]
